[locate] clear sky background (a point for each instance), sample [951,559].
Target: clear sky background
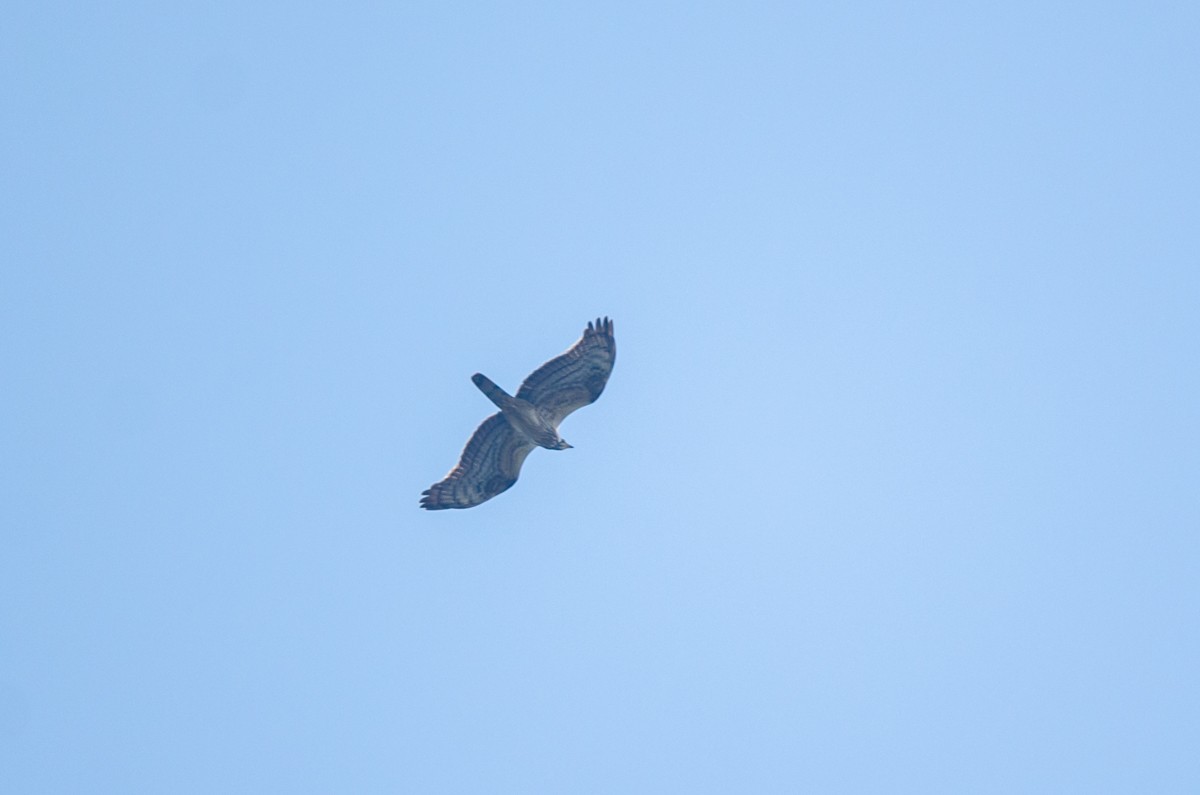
[895,487]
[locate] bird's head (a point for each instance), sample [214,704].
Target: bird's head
[561,444]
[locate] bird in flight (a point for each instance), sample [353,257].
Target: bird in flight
[491,461]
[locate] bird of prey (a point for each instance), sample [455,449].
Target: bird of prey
[493,456]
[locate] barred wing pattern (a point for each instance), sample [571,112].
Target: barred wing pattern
[576,378]
[489,465]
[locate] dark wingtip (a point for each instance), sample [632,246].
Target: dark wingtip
[427,500]
[600,326]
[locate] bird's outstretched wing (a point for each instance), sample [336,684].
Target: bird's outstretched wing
[575,378]
[489,465]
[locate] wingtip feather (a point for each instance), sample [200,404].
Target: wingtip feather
[601,325]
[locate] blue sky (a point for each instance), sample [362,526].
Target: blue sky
[893,489]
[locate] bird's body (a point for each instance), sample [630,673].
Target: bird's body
[530,422]
[492,459]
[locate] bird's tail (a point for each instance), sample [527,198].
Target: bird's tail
[493,392]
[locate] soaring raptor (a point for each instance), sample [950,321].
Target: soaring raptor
[492,458]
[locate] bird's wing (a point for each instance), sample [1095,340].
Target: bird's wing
[575,378]
[489,465]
